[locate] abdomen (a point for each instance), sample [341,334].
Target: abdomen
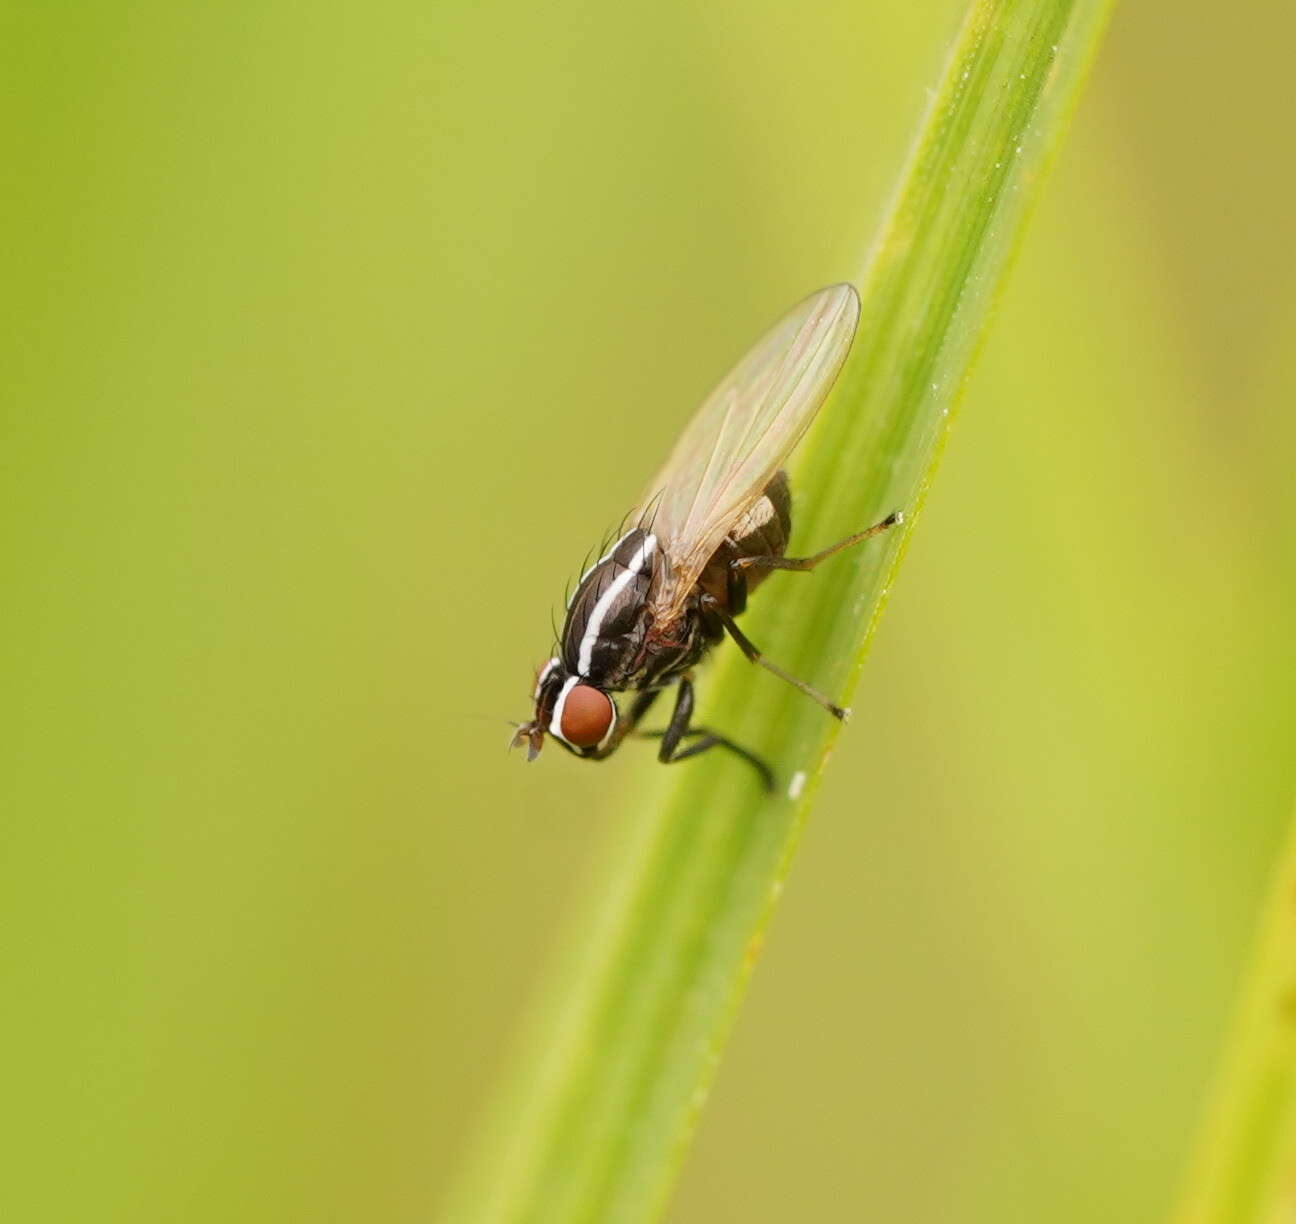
[763,531]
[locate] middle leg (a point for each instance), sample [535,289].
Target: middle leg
[749,649]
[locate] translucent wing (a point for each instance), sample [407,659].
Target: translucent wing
[743,434]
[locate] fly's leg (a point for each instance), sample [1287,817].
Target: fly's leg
[746,646]
[679,730]
[736,589]
[808,563]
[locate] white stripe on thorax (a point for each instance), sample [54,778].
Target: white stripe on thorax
[606,556]
[609,597]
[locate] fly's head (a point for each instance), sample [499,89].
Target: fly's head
[579,715]
[601,637]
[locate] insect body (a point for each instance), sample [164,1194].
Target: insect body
[717,521]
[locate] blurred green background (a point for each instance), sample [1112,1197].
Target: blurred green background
[335,335]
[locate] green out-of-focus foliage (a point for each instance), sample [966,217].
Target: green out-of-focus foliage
[1241,1166]
[333,337]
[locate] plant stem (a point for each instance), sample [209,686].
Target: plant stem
[615,1074]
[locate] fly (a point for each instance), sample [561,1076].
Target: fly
[717,521]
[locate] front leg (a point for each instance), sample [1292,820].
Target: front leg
[679,730]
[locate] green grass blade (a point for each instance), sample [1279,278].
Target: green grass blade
[1243,1171]
[616,1073]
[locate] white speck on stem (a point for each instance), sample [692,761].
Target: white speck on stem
[797,785]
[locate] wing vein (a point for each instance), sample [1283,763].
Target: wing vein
[743,434]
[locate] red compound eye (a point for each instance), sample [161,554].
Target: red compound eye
[587,714]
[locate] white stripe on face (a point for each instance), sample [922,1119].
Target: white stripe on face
[555,719]
[610,596]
